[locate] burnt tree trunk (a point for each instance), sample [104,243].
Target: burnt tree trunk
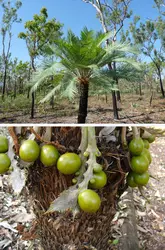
[83,102]
[140,88]
[114,101]
[4,83]
[161,83]
[33,95]
[118,91]
[118,96]
[15,89]
[117,83]
[32,106]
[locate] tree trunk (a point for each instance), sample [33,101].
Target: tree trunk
[161,83]
[32,106]
[9,88]
[114,101]
[118,91]
[106,98]
[118,96]
[15,89]
[4,84]
[20,86]
[117,83]
[83,103]
[28,93]
[33,95]
[140,88]
[52,102]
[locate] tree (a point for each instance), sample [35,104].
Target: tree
[8,19]
[21,72]
[112,16]
[40,32]
[82,62]
[147,36]
[160,5]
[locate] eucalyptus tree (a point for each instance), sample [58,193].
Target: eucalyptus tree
[150,37]
[22,76]
[112,15]
[160,5]
[39,33]
[9,17]
[82,62]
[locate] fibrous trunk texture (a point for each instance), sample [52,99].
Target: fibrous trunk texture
[83,103]
[63,231]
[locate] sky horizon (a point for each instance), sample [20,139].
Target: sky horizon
[74,14]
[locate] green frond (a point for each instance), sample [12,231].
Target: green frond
[86,36]
[39,76]
[103,38]
[124,47]
[101,86]
[117,52]
[130,61]
[52,93]
[71,37]
[71,90]
[129,73]
[85,56]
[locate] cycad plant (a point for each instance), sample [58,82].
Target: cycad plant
[81,62]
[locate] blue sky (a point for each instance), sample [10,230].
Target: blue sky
[74,14]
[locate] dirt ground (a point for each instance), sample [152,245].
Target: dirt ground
[151,216]
[133,109]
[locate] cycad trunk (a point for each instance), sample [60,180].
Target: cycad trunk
[83,103]
[63,231]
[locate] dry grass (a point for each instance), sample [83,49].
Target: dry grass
[133,109]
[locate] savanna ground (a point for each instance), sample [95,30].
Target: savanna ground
[134,109]
[16,217]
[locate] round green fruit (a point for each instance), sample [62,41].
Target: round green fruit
[146,153]
[100,180]
[49,155]
[4,163]
[139,164]
[141,179]
[29,151]
[146,144]
[3,144]
[69,163]
[151,138]
[136,146]
[130,180]
[89,201]
[97,168]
